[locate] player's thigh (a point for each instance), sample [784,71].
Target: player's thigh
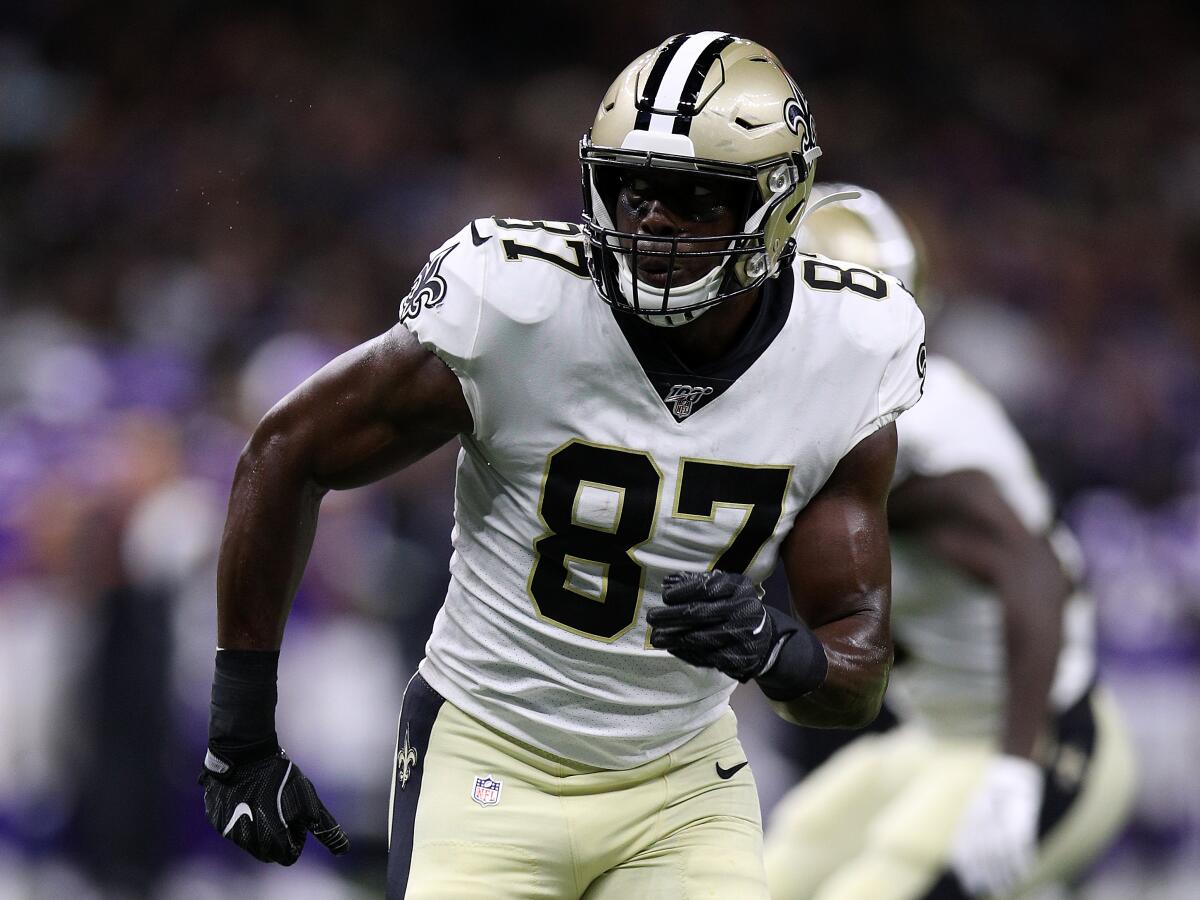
[822,823]
[1091,782]
[706,839]
[718,859]
[851,786]
[907,844]
[470,820]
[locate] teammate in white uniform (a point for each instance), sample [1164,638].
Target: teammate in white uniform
[630,472]
[1010,770]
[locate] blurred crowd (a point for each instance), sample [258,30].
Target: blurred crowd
[200,205]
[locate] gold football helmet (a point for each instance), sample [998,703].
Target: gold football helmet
[865,230]
[713,106]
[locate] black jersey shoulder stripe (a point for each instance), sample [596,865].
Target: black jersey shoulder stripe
[695,81]
[645,102]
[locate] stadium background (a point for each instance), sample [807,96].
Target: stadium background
[201,203]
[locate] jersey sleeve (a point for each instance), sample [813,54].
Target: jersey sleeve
[958,427]
[444,308]
[903,377]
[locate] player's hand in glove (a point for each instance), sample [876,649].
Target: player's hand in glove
[253,794]
[718,620]
[996,842]
[267,808]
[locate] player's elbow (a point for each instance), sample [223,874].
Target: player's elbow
[862,713]
[846,700]
[277,449]
[847,713]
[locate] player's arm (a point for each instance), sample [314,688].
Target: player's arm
[368,413]
[838,568]
[963,517]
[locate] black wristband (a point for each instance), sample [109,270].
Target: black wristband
[801,665]
[241,722]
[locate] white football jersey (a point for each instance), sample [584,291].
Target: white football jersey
[948,627]
[589,477]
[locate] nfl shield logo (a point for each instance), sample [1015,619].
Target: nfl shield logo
[486,791]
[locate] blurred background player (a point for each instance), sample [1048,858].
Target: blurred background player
[1010,768]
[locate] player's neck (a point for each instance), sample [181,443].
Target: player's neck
[715,333]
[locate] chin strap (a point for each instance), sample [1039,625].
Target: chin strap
[700,290]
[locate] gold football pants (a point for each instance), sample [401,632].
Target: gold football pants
[878,819]
[476,815]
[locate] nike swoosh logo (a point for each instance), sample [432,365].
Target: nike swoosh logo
[243,809]
[477,239]
[732,770]
[759,629]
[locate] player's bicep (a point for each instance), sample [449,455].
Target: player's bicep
[836,556]
[369,412]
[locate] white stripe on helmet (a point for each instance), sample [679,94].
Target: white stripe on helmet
[670,89]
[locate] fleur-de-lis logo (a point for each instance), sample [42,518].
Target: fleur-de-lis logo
[796,114]
[428,289]
[406,759]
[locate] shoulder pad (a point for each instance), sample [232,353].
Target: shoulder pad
[442,306]
[536,264]
[875,309]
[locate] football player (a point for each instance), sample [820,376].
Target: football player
[653,407]
[1010,769]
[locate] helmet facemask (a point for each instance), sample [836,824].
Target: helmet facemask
[642,272]
[721,112]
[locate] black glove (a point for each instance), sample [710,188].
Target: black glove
[267,808]
[717,620]
[253,794]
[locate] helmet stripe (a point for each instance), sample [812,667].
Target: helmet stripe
[654,79]
[684,58]
[695,81]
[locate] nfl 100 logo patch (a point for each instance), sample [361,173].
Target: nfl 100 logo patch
[684,397]
[486,791]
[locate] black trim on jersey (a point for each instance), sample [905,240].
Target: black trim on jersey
[1074,741]
[670,375]
[695,81]
[645,102]
[476,238]
[421,706]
